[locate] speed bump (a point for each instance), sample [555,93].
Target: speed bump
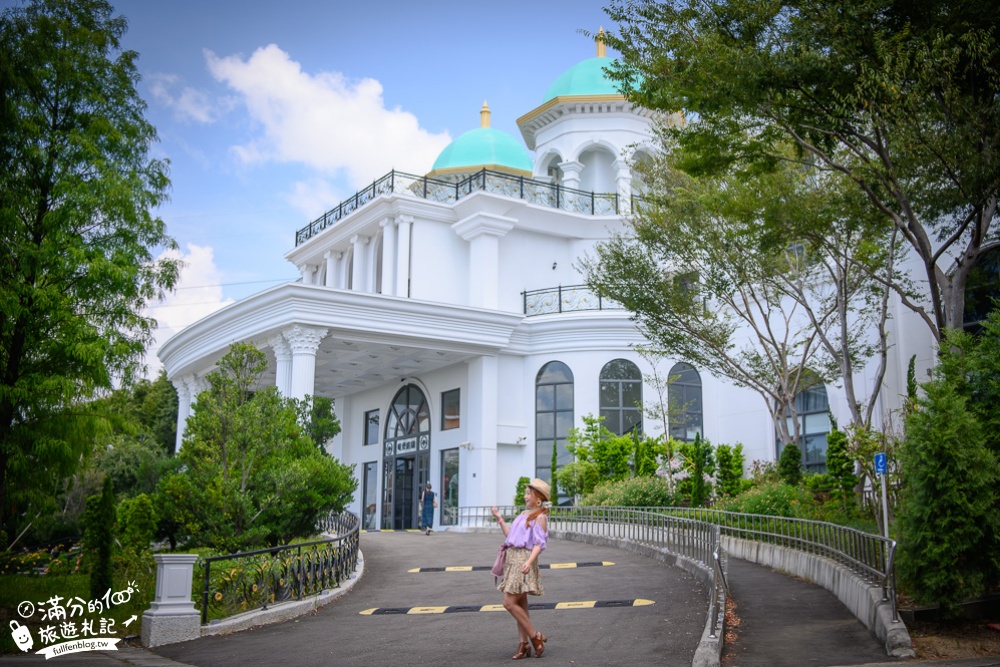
[535,606]
[487,568]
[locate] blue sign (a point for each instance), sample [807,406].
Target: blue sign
[880,464]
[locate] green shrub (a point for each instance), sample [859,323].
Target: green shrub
[137,521]
[840,466]
[948,520]
[729,469]
[773,499]
[99,519]
[632,492]
[578,478]
[522,484]
[790,465]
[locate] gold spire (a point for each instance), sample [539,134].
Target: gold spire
[602,48]
[484,115]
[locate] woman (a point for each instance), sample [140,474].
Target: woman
[427,505]
[526,539]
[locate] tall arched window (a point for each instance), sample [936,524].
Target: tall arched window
[685,401]
[553,417]
[982,287]
[813,409]
[621,397]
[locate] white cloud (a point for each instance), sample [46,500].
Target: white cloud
[324,121]
[198,293]
[313,197]
[189,103]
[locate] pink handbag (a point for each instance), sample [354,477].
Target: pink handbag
[497,569]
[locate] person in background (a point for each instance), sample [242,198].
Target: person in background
[527,538]
[427,505]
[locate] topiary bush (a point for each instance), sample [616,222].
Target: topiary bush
[632,492]
[99,520]
[790,465]
[522,484]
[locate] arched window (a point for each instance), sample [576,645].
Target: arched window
[812,407]
[405,457]
[685,401]
[553,417]
[982,287]
[621,397]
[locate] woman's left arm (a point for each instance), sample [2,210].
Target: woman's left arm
[535,550]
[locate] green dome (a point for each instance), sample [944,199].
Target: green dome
[483,147]
[584,78]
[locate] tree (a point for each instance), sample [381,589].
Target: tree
[699,463]
[897,99]
[253,475]
[729,469]
[949,528]
[750,275]
[319,418]
[77,187]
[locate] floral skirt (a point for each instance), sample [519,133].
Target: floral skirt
[514,581]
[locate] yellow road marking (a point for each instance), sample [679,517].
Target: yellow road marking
[642,603]
[587,604]
[427,610]
[459,568]
[562,566]
[492,607]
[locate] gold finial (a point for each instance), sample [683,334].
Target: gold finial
[484,115]
[602,48]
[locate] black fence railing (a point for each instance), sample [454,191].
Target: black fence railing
[565,299]
[445,190]
[255,579]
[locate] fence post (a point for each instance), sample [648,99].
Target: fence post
[172,616]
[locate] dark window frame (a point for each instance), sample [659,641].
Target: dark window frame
[457,420]
[366,440]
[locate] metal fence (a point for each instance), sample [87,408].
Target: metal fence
[450,190]
[695,533]
[255,579]
[697,540]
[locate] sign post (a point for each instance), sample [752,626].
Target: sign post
[881,471]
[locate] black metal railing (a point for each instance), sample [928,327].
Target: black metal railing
[565,299]
[445,190]
[255,579]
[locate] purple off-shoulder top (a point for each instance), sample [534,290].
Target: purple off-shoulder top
[523,536]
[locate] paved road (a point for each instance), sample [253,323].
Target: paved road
[665,633]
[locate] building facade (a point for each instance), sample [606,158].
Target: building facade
[444,314]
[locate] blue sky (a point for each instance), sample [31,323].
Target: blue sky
[272,112]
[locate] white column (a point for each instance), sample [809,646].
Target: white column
[571,174]
[483,231]
[183,409]
[405,223]
[623,181]
[283,357]
[343,262]
[388,256]
[360,273]
[480,411]
[331,267]
[308,272]
[304,342]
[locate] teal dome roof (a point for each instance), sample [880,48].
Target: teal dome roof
[483,147]
[584,78]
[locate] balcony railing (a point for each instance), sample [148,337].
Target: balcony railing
[534,191]
[565,299]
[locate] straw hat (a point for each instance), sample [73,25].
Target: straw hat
[541,487]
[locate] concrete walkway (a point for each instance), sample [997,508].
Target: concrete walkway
[784,621]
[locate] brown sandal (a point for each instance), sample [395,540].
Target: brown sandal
[523,651]
[538,641]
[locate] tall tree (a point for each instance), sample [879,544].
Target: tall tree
[77,190]
[900,98]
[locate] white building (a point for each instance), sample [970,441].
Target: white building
[444,315]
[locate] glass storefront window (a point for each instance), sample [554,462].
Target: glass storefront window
[369,496]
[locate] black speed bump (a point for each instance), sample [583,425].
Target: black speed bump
[536,606]
[487,568]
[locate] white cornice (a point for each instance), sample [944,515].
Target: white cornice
[347,314]
[588,330]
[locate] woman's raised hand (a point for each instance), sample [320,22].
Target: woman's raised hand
[496,513]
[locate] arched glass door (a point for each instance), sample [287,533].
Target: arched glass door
[406,457]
